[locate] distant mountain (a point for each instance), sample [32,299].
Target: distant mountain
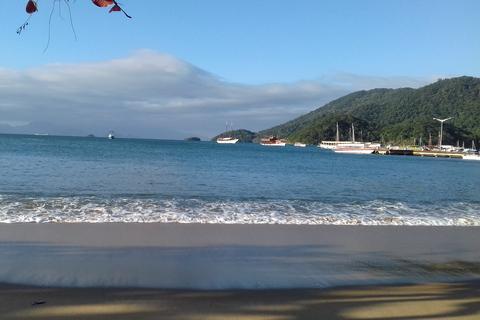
[393,115]
[40,127]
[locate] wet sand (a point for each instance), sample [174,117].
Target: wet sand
[418,239]
[67,254]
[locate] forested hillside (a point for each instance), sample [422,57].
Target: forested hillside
[393,115]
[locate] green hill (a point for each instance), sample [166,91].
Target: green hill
[393,115]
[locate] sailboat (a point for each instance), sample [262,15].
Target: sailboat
[354,147]
[471,155]
[337,143]
[227,139]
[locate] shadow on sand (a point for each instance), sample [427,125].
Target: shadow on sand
[423,301]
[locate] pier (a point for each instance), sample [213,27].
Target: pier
[421,153]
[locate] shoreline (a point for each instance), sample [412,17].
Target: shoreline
[459,300]
[246,272]
[111,234]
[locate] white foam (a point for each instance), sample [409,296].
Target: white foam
[98,210]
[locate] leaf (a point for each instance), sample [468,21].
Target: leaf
[31,7]
[103,3]
[115,8]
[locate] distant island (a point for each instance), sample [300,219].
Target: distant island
[192,139]
[389,116]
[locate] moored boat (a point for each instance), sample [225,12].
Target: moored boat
[471,157]
[299,144]
[273,141]
[227,140]
[353,146]
[334,144]
[356,148]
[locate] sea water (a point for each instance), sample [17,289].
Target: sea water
[53,179]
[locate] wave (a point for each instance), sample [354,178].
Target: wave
[15,209]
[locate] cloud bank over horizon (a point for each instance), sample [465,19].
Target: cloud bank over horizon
[150,94]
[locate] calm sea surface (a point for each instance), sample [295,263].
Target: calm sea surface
[79,179]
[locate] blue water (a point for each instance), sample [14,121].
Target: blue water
[80,179]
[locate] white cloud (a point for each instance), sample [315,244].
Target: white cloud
[155,95]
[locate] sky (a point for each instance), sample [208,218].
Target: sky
[183,68]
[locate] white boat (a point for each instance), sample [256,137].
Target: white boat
[356,148]
[111,135]
[227,140]
[272,141]
[299,144]
[471,157]
[336,143]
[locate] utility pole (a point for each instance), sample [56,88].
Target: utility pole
[441,129]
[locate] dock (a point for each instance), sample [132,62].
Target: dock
[421,153]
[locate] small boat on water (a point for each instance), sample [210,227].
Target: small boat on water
[471,157]
[111,135]
[273,141]
[472,154]
[299,144]
[227,140]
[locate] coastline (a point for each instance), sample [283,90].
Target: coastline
[206,271]
[117,234]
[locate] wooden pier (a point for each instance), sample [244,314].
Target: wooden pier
[420,153]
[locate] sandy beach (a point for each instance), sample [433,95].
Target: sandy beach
[425,301]
[176,271]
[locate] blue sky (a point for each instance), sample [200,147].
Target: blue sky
[183,68]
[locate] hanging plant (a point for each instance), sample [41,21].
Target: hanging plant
[32,7]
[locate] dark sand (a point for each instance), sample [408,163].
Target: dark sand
[452,252]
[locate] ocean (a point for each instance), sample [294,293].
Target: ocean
[53,179]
